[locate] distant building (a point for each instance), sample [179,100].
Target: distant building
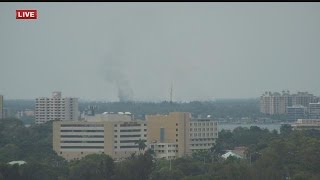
[314,110]
[301,124]
[112,134]
[304,99]
[1,107]
[296,112]
[56,108]
[276,103]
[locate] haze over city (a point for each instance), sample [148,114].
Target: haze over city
[107,51]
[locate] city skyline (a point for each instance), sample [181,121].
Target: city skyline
[208,51]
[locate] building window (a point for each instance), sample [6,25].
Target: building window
[176,129]
[115,130]
[176,140]
[176,135]
[115,136]
[176,124]
[190,129]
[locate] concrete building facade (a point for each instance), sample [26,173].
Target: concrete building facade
[203,134]
[56,108]
[314,110]
[172,128]
[178,134]
[114,137]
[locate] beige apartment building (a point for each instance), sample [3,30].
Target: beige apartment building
[111,134]
[56,108]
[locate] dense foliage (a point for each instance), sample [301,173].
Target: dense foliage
[291,155]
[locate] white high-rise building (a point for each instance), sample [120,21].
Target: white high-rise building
[56,108]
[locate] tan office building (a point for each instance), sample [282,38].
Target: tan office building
[172,128]
[178,134]
[114,137]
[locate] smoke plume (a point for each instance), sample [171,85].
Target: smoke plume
[114,73]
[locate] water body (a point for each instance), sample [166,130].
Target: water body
[270,127]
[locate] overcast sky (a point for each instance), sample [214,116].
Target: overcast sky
[206,50]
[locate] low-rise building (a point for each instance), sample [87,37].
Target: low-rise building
[301,124]
[115,137]
[296,112]
[314,110]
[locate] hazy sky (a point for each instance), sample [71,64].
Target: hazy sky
[206,50]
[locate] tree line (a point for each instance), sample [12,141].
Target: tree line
[270,155]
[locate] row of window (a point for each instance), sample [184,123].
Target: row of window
[203,139]
[196,145]
[128,141]
[202,134]
[82,136]
[81,141]
[204,124]
[203,129]
[81,130]
[134,135]
[82,147]
[82,125]
[122,147]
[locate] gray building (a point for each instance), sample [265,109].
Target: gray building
[296,112]
[314,110]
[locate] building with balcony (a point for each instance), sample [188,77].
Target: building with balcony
[56,108]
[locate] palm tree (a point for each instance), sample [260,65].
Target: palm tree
[141,144]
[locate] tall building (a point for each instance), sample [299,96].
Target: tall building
[1,107]
[56,108]
[172,129]
[304,99]
[276,103]
[178,134]
[314,110]
[115,135]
